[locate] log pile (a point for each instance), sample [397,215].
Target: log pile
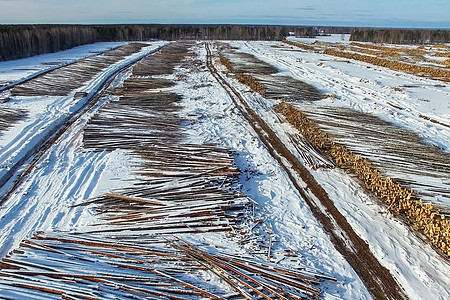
[192,206]
[134,248]
[368,51]
[311,156]
[446,63]
[300,45]
[434,73]
[62,81]
[442,54]
[392,54]
[244,78]
[253,83]
[260,77]
[304,125]
[79,266]
[9,116]
[379,53]
[180,178]
[390,49]
[226,62]
[283,87]
[424,217]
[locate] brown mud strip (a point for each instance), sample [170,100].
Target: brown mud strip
[378,279]
[137,248]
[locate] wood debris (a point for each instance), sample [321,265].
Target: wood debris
[55,265]
[423,217]
[56,83]
[138,248]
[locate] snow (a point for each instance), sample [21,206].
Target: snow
[415,265]
[64,176]
[48,113]
[14,70]
[68,175]
[369,89]
[263,180]
[333,38]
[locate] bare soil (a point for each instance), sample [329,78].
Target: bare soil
[377,278]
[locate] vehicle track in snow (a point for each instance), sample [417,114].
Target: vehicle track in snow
[378,280]
[365,88]
[19,171]
[38,74]
[45,71]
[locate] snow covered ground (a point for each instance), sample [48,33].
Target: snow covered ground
[415,265]
[14,70]
[47,113]
[215,119]
[396,97]
[63,174]
[67,175]
[333,38]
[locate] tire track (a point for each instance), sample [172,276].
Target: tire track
[26,164]
[43,72]
[377,278]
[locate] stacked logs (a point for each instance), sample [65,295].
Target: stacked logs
[390,49]
[299,45]
[226,62]
[423,71]
[246,79]
[442,54]
[368,51]
[319,43]
[424,217]
[389,54]
[252,82]
[382,53]
[445,47]
[304,125]
[440,74]
[446,63]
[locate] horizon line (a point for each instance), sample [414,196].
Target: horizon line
[222,24]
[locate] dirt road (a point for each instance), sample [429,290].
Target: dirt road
[376,277]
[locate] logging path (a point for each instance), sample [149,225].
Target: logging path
[23,159]
[44,71]
[376,277]
[160,236]
[178,182]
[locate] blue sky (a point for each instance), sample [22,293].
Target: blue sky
[376,13]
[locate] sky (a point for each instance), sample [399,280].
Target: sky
[360,13]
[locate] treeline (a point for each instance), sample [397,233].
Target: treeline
[18,41]
[401,36]
[333,30]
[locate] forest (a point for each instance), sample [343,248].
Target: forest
[401,36]
[19,41]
